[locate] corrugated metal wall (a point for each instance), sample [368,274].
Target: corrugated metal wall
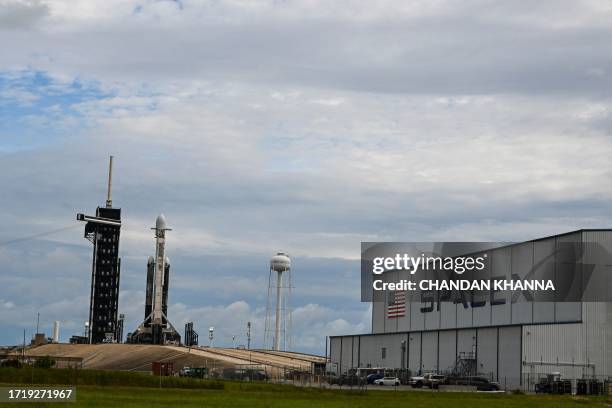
[581,344]
[435,351]
[545,346]
[414,351]
[371,351]
[334,353]
[580,349]
[430,352]
[487,350]
[346,353]
[584,335]
[447,349]
[509,356]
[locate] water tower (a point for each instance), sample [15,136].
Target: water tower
[279,282]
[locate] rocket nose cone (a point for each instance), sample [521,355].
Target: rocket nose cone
[160,223]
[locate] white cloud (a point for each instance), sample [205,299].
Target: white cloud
[306,126]
[17,14]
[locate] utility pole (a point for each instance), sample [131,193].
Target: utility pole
[37,322]
[23,349]
[248,335]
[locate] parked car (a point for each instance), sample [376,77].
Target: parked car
[419,381]
[334,380]
[344,379]
[387,381]
[481,383]
[373,377]
[353,380]
[433,380]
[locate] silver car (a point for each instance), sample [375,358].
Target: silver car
[387,381]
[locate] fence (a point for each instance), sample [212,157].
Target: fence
[557,384]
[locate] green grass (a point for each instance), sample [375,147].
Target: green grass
[67,376]
[237,395]
[114,389]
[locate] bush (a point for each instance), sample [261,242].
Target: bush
[11,363]
[70,376]
[44,362]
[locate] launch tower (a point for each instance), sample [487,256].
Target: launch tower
[102,230]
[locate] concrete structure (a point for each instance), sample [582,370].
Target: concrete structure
[138,357]
[512,341]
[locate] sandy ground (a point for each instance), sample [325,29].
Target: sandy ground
[138,357]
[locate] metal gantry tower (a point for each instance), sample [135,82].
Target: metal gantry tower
[103,230]
[191,336]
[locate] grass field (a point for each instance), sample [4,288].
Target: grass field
[114,389]
[238,395]
[106,378]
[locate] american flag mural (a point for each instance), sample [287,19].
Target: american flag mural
[396,306]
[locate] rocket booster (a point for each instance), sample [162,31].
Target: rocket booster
[160,267]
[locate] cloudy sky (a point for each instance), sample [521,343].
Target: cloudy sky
[299,125]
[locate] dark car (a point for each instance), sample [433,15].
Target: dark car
[373,377]
[481,383]
[350,380]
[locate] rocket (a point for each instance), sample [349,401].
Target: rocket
[157,312]
[156,328]
[149,292]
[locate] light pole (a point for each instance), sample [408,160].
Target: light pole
[248,335]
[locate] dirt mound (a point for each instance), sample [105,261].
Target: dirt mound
[138,357]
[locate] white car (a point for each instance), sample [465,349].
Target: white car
[387,381]
[420,380]
[417,381]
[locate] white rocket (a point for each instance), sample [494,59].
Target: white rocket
[160,267]
[156,328]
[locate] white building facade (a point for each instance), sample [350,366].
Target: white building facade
[510,340]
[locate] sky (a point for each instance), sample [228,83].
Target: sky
[301,125]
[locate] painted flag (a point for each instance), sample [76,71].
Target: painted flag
[396,307]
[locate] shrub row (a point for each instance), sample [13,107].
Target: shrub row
[69,376]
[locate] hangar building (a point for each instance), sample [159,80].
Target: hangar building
[513,342]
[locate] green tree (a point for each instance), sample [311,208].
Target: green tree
[44,362]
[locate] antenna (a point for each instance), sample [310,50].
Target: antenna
[109,200]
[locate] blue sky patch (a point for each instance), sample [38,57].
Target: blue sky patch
[36,110]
